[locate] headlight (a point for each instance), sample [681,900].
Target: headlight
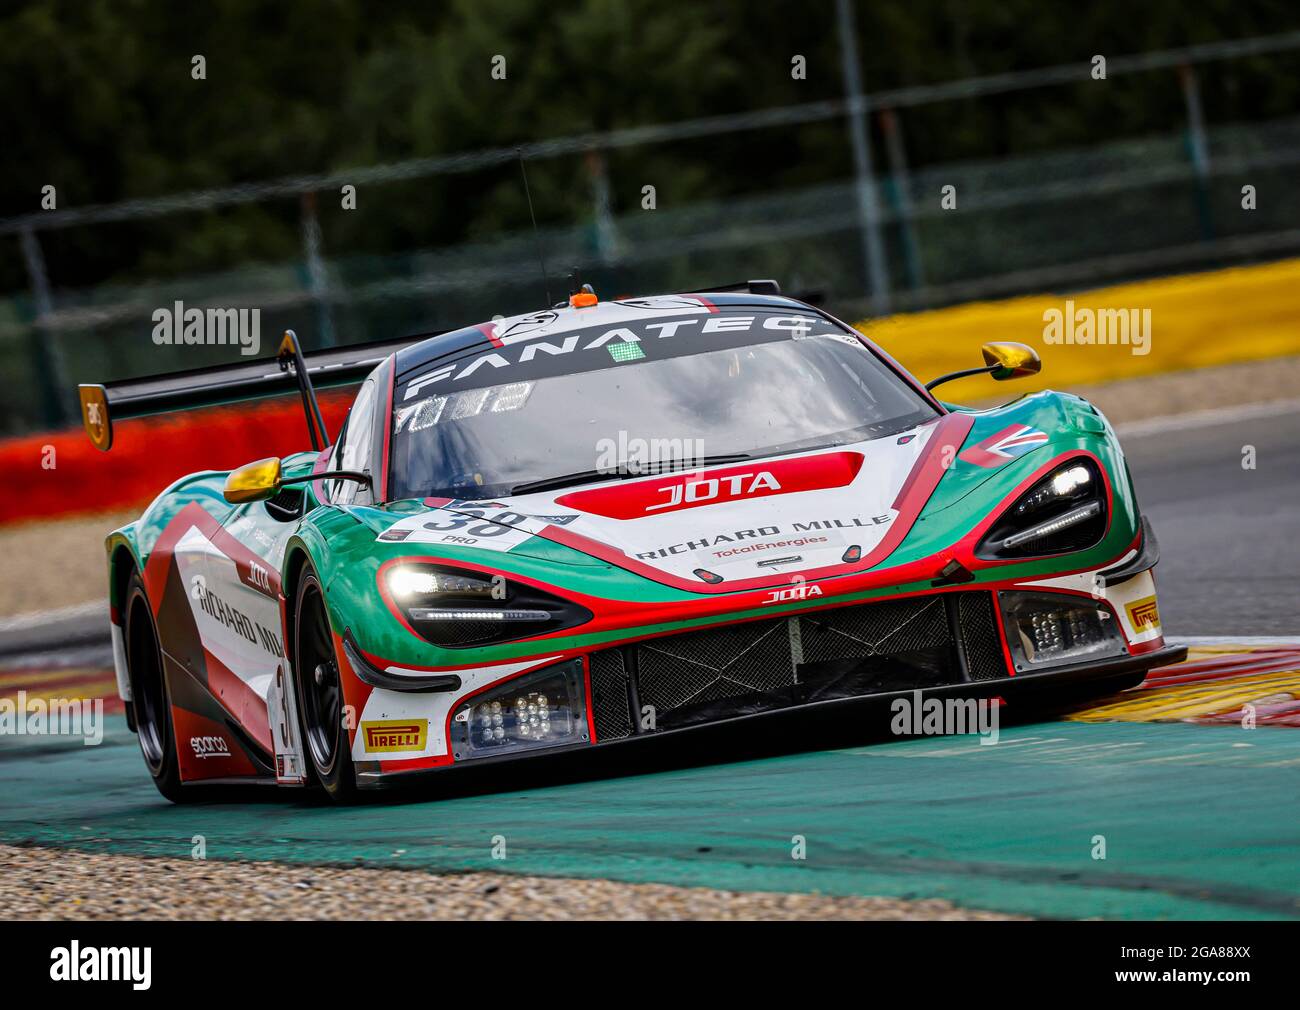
[1065,511]
[451,607]
[542,709]
[407,582]
[1044,629]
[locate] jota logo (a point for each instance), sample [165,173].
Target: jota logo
[388,735]
[713,489]
[76,963]
[179,325]
[1098,326]
[799,592]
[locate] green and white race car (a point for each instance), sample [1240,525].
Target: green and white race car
[606,521]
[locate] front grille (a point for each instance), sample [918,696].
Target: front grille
[704,666]
[880,629]
[841,652]
[977,621]
[609,700]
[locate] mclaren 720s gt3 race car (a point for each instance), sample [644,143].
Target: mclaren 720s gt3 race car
[606,521]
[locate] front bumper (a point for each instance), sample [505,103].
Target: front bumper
[754,734]
[825,661]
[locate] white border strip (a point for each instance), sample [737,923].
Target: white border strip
[1284,641]
[1206,418]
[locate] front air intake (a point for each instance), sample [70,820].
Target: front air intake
[757,666]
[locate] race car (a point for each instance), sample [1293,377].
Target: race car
[607,521]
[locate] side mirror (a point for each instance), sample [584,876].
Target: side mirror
[264,479]
[1002,360]
[254,481]
[1011,361]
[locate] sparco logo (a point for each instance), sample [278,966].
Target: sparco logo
[209,746]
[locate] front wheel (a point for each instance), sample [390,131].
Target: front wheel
[320,693]
[150,699]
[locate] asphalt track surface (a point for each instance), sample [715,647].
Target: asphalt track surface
[1198,819]
[1229,537]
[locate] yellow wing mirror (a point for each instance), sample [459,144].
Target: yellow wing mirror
[1011,361]
[264,479]
[254,481]
[1002,360]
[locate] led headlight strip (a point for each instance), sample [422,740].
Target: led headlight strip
[427,614]
[1071,518]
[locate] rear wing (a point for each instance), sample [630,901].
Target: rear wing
[289,370]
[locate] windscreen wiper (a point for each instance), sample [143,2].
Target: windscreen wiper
[623,471]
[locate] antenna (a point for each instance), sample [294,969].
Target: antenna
[537,238]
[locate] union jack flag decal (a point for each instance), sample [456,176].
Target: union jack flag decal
[1003,446]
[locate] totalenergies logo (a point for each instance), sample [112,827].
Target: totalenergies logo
[713,487]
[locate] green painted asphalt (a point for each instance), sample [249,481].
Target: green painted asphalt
[1198,821]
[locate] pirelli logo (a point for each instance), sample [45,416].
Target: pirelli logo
[388,735]
[1142,614]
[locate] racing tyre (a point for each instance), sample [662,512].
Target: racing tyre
[150,700]
[320,693]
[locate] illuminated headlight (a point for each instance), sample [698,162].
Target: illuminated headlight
[1065,511]
[1051,628]
[455,608]
[543,709]
[407,582]
[1064,484]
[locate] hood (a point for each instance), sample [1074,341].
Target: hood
[717,526]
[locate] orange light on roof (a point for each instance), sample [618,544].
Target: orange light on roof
[583,300]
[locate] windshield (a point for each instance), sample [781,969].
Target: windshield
[598,410]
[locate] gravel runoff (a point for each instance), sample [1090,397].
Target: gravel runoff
[55,884]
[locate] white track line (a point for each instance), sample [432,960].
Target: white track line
[1206,418]
[1285,641]
[95,610]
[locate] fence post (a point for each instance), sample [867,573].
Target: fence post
[873,252]
[901,191]
[1198,147]
[47,357]
[317,278]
